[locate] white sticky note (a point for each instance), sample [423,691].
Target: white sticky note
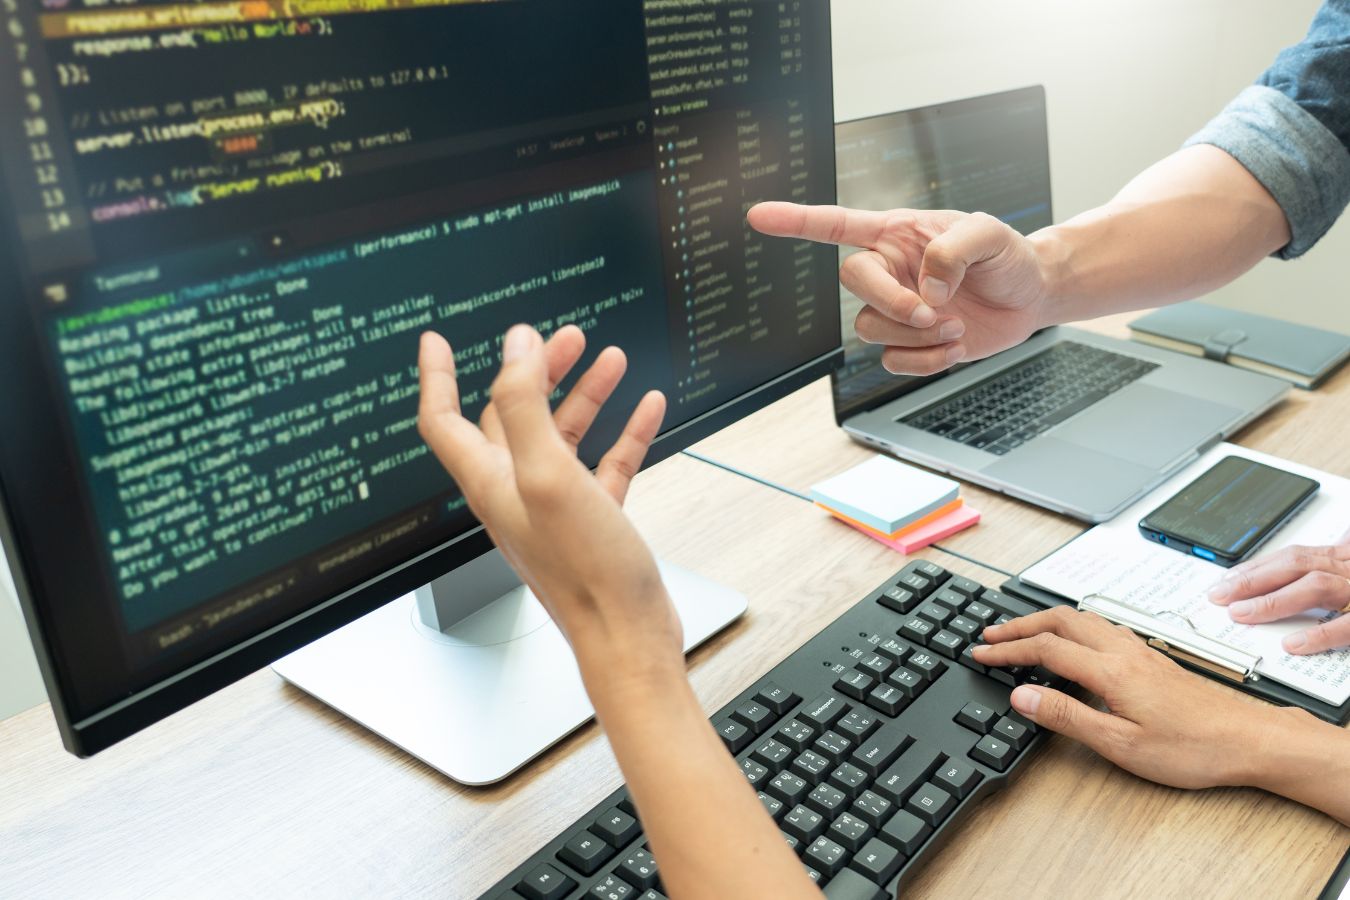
[885,494]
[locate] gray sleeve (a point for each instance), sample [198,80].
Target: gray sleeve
[1305,167]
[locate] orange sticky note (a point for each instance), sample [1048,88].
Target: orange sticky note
[950,524]
[911,527]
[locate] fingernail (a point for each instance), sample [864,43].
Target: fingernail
[935,291]
[1296,641]
[1242,608]
[979,650]
[923,317]
[955,354]
[1222,591]
[1026,700]
[517,343]
[952,329]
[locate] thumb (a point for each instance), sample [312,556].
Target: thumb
[1064,715]
[973,239]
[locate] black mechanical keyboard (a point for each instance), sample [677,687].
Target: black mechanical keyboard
[869,746]
[1006,410]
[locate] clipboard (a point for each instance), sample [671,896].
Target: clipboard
[1205,656]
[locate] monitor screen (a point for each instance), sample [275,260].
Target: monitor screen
[982,154]
[226,223]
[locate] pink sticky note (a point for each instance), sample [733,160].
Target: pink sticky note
[950,524]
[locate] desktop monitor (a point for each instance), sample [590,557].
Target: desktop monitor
[988,154]
[224,225]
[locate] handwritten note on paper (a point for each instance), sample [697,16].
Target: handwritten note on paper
[1116,561]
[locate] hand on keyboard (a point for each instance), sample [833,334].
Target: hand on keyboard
[1162,722]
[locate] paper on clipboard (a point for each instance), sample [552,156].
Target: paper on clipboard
[1114,560]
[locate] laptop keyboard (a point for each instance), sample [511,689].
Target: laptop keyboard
[867,763]
[1006,410]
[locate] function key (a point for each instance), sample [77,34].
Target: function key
[616,827]
[977,717]
[928,666]
[951,599]
[994,753]
[545,883]
[972,589]
[917,630]
[920,585]
[586,852]
[947,643]
[855,684]
[899,599]
[957,778]
[734,735]
[893,650]
[778,699]
[1014,733]
[824,711]
[755,716]
[928,569]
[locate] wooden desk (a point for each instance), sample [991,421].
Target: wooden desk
[262,791]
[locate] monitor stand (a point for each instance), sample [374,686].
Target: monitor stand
[468,673]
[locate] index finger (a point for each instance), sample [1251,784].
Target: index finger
[1088,629]
[455,441]
[825,224]
[1064,657]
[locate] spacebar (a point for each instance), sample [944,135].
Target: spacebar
[1072,409]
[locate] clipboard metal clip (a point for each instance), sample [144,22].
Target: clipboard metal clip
[1180,642]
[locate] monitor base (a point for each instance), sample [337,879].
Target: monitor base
[481,697]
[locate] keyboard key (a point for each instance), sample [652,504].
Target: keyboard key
[928,569]
[907,682]
[956,778]
[811,766]
[825,856]
[776,698]
[969,629]
[586,852]
[834,746]
[545,883]
[968,658]
[906,832]
[827,800]
[796,734]
[881,749]
[789,788]
[907,773]
[872,808]
[900,599]
[753,771]
[850,831]
[850,779]
[824,711]
[813,874]
[1013,732]
[851,885]
[855,684]
[887,699]
[947,643]
[616,827]
[917,583]
[804,824]
[639,869]
[858,724]
[926,664]
[963,585]
[754,716]
[611,888]
[877,860]
[792,842]
[896,651]
[1010,606]
[935,613]
[981,613]
[651,895]
[994,753]
[977,717]
[931,803]
[772,753]
[950,600]
[772,805]
[876,665]
[735,735]
[917,630]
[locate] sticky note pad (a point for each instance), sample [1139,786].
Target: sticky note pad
[921,537]
[885,494]
[912,526]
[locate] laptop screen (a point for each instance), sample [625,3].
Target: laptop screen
[983,154]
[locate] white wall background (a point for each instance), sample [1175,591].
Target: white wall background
[1126,84]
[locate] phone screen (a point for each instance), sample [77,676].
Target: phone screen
[1232,507]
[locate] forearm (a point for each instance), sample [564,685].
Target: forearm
[708,829]
[1306,760]
[1186,226]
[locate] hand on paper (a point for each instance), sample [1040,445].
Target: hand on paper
[1292,581]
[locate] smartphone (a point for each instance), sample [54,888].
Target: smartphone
[1228,512]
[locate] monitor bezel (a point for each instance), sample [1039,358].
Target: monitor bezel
[37,472]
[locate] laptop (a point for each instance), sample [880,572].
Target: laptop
[1077,423]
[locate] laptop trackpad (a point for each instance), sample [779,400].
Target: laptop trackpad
[1081,479]
[1147,425]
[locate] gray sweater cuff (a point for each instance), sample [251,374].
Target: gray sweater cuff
[1304,166]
